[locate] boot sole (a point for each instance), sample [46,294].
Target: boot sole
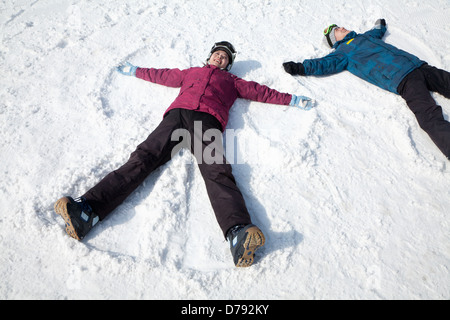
[255,239]
[61,209]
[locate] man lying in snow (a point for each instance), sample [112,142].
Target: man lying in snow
[368,57]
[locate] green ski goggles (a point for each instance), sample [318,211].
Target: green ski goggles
[328,30]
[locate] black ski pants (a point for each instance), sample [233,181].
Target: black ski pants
[226,199]
[415,89]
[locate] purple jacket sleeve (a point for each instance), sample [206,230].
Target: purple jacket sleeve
[256,92]
[167,77]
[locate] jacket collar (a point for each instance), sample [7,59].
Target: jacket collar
[350,36]
[213,67]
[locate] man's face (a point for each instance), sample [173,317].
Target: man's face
[340,33]
[219,59]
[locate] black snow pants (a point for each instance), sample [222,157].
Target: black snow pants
[226,199]
[415,89]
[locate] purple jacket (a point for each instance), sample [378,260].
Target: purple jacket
[210,89]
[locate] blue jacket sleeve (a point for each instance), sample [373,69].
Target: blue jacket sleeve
[377,32]
[330,64]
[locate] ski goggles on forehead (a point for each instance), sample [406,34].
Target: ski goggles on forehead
[328,30]
[223,44]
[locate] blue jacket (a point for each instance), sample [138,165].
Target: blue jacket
[368,57]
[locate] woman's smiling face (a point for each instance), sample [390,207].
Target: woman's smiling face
[219,59]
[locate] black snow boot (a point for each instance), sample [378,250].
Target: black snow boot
[78,216]
[244,240]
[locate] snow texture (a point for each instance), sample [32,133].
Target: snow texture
[353,196]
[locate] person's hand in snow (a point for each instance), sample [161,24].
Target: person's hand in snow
[127,69]
[294,68]
[302,102]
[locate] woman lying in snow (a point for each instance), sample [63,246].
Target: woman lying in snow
[206,96]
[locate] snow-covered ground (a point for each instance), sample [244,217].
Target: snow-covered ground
[353,196]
